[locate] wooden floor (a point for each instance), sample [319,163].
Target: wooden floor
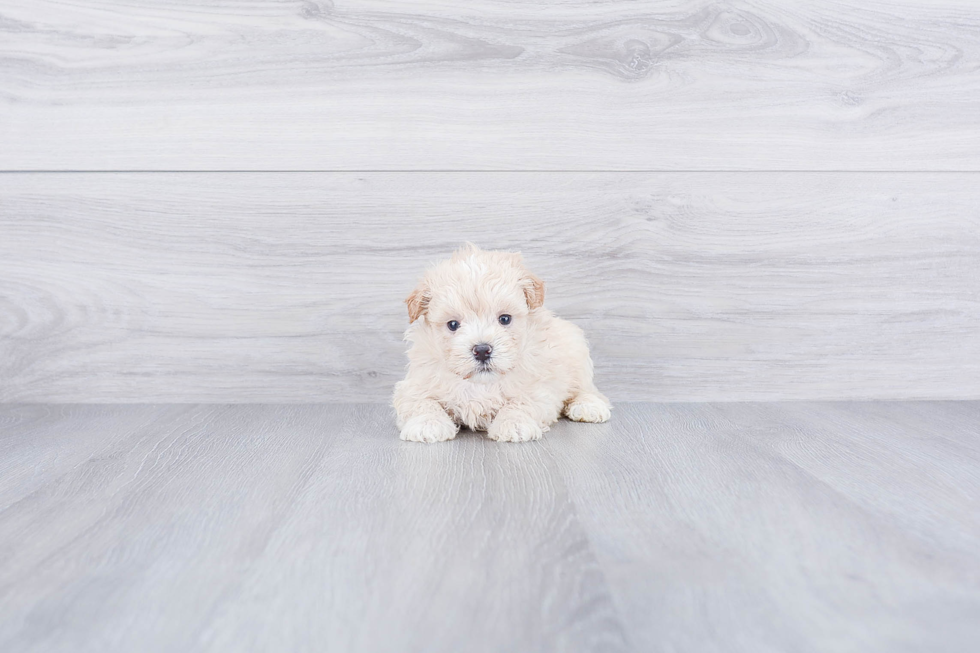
[675,527]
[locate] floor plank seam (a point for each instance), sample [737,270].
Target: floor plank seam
[575,515]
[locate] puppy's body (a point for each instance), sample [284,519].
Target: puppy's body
[534,367]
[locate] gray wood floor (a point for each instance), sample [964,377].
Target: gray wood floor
[675,527]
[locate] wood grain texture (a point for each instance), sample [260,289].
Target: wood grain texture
[785,527]
[289,287]
[303,84]
[685,527]
[241,287]
[302,528]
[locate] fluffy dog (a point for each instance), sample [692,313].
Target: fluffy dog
[487,355]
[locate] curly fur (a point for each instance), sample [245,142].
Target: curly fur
[539,368]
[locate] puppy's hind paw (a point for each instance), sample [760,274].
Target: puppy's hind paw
[429,428]
[514,429]
[588,408]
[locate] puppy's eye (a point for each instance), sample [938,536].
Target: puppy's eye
[452,324]
[504,319]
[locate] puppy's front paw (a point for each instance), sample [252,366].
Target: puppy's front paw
[588,408]
[514,428]
[429,428]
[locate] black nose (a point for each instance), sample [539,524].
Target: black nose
[482,352]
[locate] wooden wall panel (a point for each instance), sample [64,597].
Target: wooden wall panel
[435,85]
[245,287]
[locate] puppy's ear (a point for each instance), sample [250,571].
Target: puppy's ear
[418,301]
[533,291]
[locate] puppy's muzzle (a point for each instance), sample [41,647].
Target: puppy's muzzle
[482,352]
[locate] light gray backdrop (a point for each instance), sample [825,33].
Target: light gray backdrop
[227,201]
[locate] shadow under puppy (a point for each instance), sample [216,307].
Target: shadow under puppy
[487,355]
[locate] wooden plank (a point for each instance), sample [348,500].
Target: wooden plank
[303,528]
[33,454]
[676,527]
[783,527]
[289,287]
[679,85]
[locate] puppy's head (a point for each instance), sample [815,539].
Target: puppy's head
[473,311]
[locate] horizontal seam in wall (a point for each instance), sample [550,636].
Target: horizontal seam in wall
[477,171]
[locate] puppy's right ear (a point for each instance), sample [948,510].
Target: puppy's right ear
[533,291]
[418,301]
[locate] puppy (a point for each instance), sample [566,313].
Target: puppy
[487,355]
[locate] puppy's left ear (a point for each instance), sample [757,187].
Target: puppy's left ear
[533,291]
[418,301]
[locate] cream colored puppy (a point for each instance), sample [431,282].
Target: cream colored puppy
[486,354]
